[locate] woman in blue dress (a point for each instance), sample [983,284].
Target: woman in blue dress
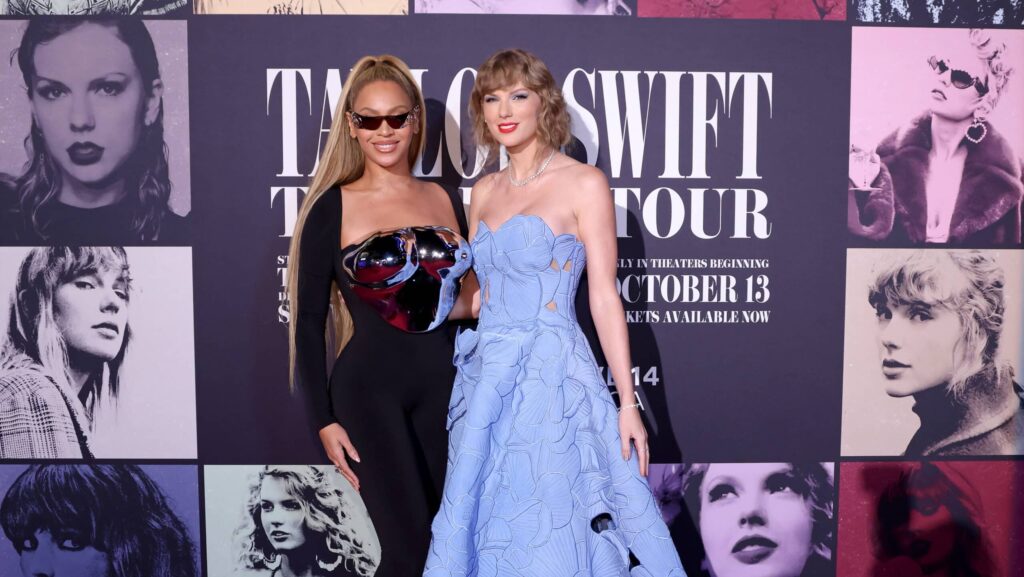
[544,476]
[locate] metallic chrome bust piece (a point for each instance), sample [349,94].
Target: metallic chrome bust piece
[410,276]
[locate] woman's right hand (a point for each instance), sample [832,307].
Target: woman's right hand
[337,445]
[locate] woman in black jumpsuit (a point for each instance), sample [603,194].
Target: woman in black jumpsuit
[389,389]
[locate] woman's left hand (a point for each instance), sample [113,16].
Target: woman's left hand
[631,428]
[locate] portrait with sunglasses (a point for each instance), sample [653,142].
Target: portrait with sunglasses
[941,119]
[395,121]
[958,78]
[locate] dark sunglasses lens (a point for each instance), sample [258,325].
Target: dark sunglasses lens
[370,122]
[961,79]
[395,121]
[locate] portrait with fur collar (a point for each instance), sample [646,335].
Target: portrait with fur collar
[948,175]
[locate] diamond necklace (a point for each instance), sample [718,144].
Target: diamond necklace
[532,177]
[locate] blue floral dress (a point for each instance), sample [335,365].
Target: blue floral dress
[536,484]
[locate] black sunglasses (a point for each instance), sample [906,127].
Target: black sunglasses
[958,78]
[395,121]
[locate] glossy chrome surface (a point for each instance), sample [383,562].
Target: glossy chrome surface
[410,276]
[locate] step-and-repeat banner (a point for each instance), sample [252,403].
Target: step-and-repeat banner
[822,281]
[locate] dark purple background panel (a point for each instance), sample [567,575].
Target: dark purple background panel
[179,483]
[727,392]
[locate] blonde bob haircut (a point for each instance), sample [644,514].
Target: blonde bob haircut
[341,163]
[967,283]
[505,69]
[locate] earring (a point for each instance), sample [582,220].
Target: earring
[972,130]
[272,562]
[329,566]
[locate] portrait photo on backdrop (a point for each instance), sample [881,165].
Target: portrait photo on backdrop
[918,519]
[92,7]
[936,137]
[298,7]
[94,142]
[96,353]
[89,520]
[933,353]
[929,12]
[749,519]
[746,9]
[576,7]
[287,520]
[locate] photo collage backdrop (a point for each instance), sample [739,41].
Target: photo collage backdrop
[854,392]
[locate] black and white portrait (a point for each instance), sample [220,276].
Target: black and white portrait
[749,519]
[96,353]
[300,7]
[578,7]
[286,520]
[90,7]
[87,520]
[94,142]
[930,12]
[936,133]
[932,353]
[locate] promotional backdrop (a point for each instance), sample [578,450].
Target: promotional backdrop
[726,144]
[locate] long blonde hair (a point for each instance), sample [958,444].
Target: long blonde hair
[341,163]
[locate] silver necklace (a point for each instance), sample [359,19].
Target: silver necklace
[532,177]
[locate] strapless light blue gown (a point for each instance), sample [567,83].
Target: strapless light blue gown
[536,485]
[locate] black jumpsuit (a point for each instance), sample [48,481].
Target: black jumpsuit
[388,388]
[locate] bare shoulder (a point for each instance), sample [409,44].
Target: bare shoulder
[434,189]
[588,184]
[481,190]
[485,184]
[591,178]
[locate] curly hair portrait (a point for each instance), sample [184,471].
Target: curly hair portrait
[969,284]
[116,509]
[326,509]
[504,70]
